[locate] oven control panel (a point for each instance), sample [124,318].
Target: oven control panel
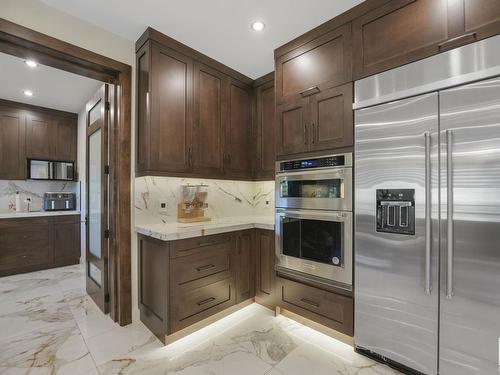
[396,211]
[321,162]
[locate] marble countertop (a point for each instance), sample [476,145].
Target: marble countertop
[14,215]
[177,231]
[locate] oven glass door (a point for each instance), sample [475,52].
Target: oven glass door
[318,243]
[328,190]
[316,240]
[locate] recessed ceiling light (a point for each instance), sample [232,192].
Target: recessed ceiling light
[28,93]
[257,26]
[31,63]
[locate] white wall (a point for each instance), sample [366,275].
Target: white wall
[42,18]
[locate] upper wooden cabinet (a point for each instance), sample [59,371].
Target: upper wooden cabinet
[29,132]
[320,122]
[12,144]
[481,17]
[397,33]
[194,114]
[265,129]
[319,64]
[51,137]
[171,140]
[238,131]
[210,107]
[403,31]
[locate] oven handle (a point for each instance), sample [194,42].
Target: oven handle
[337,216]
[327,171]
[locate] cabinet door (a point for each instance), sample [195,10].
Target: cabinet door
[293,127]
[323,62]
[143,65]
[265,131]
[40,136]
[332,122]
[171,111]
[209,88]
[266,275]
[12,144]
[238,141]
[246,266]
[66,239]
[65,140]
[397,33]
[482,17]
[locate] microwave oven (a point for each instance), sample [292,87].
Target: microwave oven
[51,170]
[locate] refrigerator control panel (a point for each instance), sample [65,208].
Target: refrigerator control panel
[396,211]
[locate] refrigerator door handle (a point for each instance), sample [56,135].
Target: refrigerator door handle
[449,214]
[428,212]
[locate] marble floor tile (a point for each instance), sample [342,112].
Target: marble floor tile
[50,326]
[48,350]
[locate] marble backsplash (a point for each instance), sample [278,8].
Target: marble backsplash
[33,190]
[225,198]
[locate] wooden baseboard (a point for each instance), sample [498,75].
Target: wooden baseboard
[205,322]
[316,326]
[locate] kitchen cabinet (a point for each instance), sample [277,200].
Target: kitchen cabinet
[67,239]
[194,114]
[292,127]
[51,137]
[238,143]
[481,17]
[39,131]
[332,118]
[265,129]
[246,256]
[210,87]
[333,310]
[314,66]
[30,132]
[12,144]
[320,122]
[397,33]
[171,125]
[265,292]
[31,244]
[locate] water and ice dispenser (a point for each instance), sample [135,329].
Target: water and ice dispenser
[396,211]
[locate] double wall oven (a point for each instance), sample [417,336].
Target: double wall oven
[314,218]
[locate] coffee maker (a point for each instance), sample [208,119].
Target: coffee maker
[193,205]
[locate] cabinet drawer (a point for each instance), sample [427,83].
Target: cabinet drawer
[213,260]
[25,248]
[192,305]
[67,219]
[199,244]
[321,306]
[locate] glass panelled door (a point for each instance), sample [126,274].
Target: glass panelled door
[97,199]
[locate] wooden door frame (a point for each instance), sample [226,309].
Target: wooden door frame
[25,43]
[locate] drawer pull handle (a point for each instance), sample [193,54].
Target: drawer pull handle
[207,243]
[309,302]
[204,268]
[205,301]
[466,38]
[310,91]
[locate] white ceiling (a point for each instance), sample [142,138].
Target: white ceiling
[217,28]
[52,88]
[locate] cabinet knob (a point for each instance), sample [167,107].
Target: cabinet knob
[305,134]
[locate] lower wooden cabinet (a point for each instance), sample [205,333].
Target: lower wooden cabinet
[183,283]
[30,244]
[67,249]
[333,310]
[245,266]
[265,292]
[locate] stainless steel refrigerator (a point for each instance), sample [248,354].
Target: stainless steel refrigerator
[427,213]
